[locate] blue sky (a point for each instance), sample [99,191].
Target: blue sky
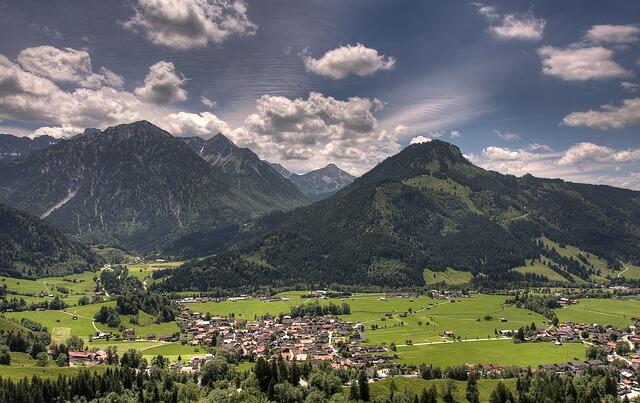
[549,88]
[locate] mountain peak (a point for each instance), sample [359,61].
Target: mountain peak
[128,130]
[416,160]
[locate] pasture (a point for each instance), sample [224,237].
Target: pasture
[503,352]
[617,312]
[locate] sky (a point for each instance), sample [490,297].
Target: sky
[550,88]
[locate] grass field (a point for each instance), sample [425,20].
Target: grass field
[449,277]
[617,312]
[503,352]
[415,386]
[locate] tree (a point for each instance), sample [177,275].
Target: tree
[5,355]
[501,394]
[472,393]
[42,359]
[363,386]
[189,392]
[75,343]
[449,390]
[62,360]
[354,393]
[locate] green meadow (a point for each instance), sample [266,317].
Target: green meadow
[503,352]
[617,312]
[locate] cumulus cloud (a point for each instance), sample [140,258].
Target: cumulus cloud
[580,64]
[185,24]
[208,102]
[202,124]
[420,139]
[613,34]
[630,87]
[56,64]
[507,135]
[348,60]
[105,77]
[608,117]
[589,152]
[162,85]
[523,26]
[317,130]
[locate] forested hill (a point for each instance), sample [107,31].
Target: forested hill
[30,247]
[426,207]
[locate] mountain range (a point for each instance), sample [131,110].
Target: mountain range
[426,207]
[136,186]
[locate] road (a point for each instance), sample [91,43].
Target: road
[452,341]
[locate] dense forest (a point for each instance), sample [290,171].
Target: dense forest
[30,247]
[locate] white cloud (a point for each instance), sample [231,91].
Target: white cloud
[208,102]
[104,78]
[630,87]
[519,26]
[580,64]
[507,135]
[348,60]
[613,34]
[455,134]
[420,139]
[505,154]
[608,117]
[56,64]
[523,26]
[58,132]
[162,85]
[318,130]
[185,24]
[589,152]
[188,124]
[539,147]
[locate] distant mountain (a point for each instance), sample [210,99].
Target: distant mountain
[426,207]
[133,185]
[30,247]
[322,183]
[318,184]
[248,170]
[14,146]
[280,169]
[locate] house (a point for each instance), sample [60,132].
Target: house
[83,358]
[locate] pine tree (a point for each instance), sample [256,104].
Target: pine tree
[472,394]
[363,385]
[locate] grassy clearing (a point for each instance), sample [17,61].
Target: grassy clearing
[415,386]
[617,312]
[449,277]
[629,271]
[503,352]
[541,270]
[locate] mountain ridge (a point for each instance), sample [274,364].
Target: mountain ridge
[132,184]
[425,207]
